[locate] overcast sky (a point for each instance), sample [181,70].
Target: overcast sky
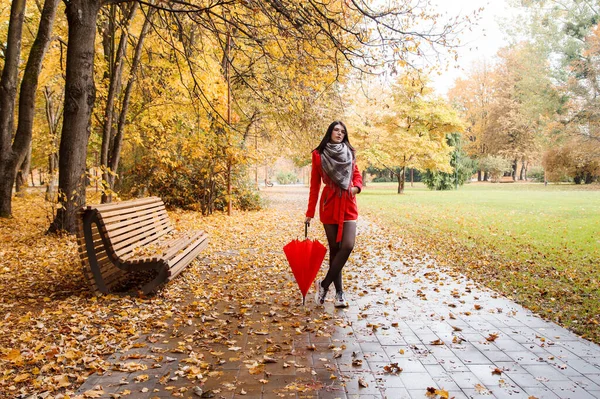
[482,42]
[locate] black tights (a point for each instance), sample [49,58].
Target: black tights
[338,253]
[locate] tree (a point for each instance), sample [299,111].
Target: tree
[463,168]
[80,94]
[13,151]
[577,160]
[581,114]
[115,63]
[8,92]
[525,101]
[411,130]
[510,107]
[473,97]
[495,166]
[568,32]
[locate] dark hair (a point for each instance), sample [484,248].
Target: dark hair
[327,137]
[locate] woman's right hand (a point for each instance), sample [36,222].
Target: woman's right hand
[307,220]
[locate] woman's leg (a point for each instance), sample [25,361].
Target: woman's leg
[334,247]
[340,253]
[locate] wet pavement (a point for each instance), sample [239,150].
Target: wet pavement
[413,330]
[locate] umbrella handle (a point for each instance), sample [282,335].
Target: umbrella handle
[305,230]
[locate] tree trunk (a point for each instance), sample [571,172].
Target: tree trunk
[401,180]
[51,185]
[522,171]
[8,94]
[108,131]
[115,151]
[229,204]
[80,94]
[52,117]
[23,172]
[412,177]
[364,177]
[515,166]
[479,176]
[486,176]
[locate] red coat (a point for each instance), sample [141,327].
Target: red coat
[336,205]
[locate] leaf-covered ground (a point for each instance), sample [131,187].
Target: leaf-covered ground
[232,322]
[54,333]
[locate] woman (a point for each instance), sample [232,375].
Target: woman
[334,162]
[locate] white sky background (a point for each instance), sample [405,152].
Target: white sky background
[481,42]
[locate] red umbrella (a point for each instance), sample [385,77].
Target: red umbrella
[305,258]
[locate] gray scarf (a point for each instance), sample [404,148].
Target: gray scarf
[336,161]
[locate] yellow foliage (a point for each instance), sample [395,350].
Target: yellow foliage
[406,126]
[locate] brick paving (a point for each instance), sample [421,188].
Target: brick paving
[411,326]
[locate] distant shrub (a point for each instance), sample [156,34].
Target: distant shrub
[382,179]
[536,173]
[246,198]
[286,178]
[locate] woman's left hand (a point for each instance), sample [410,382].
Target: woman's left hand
[354,190]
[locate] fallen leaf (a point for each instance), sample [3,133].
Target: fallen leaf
[492,337]
[392,368]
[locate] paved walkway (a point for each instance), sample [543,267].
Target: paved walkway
[412,331]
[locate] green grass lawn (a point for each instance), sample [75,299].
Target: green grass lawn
[539,244]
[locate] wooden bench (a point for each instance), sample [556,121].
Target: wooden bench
[117,240]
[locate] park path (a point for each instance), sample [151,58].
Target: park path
[413,330]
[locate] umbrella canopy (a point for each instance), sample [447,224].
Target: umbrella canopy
[305,258]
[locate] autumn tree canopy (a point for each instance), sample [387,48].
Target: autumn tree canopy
[536,103]
[236,70]
[407,128]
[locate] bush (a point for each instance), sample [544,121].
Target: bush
[382,179]
[572,162]
[462,164]
[286,178]
[438,180]
[246,198]
[536,173]
[187,179]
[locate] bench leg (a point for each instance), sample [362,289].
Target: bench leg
[160,278]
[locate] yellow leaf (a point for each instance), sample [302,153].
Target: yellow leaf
[14,356]
[62,381]
[22,377]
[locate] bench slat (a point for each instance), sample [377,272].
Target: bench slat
[177,268]
[181,244]
[178,256]
[135,236]
[168,248]
[116,216]
[125,253]
[144,230]
[123,204]
[123,227]
[110,273]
